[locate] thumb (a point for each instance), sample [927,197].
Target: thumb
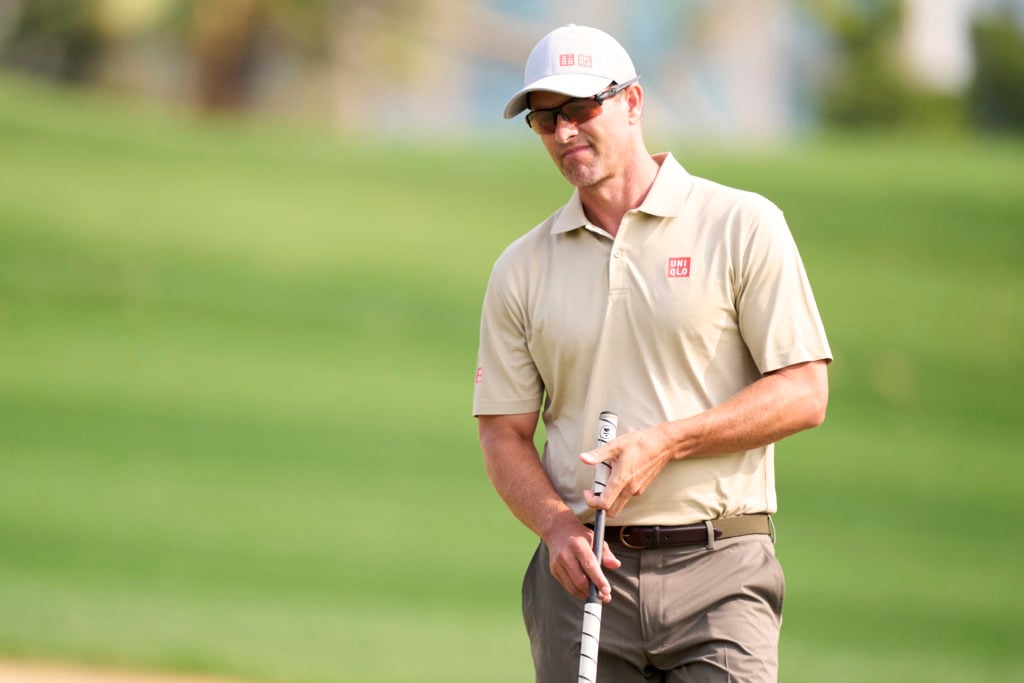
[594,457]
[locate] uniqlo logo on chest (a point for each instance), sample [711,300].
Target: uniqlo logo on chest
[679,266]
[566,60]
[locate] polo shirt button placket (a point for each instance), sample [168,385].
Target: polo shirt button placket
[618,264]
[617,271]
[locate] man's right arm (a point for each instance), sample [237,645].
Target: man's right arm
[514,468]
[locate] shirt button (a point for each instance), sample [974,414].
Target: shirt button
[617,253]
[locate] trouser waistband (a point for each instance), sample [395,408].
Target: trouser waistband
[705,534]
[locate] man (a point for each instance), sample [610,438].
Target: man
[682,306]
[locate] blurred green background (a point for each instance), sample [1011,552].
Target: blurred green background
[236,361]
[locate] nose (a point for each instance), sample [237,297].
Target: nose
[564,127]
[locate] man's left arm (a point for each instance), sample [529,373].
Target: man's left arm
[781,403]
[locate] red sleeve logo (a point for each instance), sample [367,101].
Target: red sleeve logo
[479,375]
[679,266]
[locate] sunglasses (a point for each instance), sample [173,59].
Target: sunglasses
[576,111]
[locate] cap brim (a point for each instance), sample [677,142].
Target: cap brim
[573,85]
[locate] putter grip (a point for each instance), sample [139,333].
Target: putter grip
[607,427]
[608,424]
[590,639]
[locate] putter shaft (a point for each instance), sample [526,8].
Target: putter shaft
[590,640]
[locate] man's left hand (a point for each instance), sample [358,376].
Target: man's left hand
[636,459]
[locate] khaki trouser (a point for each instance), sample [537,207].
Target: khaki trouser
[677,614]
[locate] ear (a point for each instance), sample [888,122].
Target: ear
[635,102]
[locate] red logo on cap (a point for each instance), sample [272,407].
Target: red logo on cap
[585,60]
[679,266]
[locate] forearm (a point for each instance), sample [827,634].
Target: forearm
[514,468]
[776,406]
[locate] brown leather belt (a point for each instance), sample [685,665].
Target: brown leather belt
[705,534]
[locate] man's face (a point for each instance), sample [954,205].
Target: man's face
[590,152]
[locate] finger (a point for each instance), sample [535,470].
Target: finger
[597,455]
[569,572]
[578,584]
[613,486]
[564,578]
[596,576]
[608,559]
[615,506]
[613,498]
[597,502]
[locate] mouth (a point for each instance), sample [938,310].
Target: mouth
[574,151]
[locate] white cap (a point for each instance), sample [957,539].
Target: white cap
[577,61]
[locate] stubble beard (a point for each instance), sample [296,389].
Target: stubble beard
[582,174]
[579,177]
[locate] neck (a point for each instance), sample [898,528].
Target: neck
[608,201]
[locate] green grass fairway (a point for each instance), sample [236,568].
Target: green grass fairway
[236,365]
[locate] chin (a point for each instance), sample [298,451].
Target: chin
[581,177]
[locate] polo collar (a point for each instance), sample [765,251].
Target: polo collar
[665,198]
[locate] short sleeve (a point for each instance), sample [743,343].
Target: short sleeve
[507,380]
[778,316]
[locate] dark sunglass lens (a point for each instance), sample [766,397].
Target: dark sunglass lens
[577,111]
[581,111]
[542,121]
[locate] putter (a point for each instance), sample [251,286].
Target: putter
[591,639]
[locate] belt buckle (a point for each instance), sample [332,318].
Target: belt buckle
[623,541]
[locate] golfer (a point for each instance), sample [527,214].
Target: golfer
[682,306]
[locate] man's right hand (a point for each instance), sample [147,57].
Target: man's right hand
[514,468]
[573,564]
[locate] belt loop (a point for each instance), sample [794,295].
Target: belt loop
[710,545]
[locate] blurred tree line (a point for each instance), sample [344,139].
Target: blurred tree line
[223,45]
[997,92]
[869,87]
[220,49]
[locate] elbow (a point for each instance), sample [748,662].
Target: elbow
[815,413]
[810,393]
[815,405]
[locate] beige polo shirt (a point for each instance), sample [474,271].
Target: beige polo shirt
[701,292]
